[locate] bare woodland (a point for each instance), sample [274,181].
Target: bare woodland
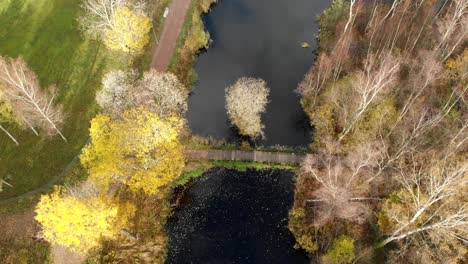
[30,105]
[246,100]
[387,100]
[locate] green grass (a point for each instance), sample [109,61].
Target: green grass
[236,165]
[45,34]
[244,165]
[186,177]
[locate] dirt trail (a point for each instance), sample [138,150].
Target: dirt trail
[172,27]
[62,255]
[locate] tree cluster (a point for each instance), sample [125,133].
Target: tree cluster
[134,148]
[134,153]
[139,151]
[159,92]
[387,100]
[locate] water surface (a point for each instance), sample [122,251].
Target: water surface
[256,38]
[227,216]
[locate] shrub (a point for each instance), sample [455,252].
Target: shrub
[245,102]
[341,252]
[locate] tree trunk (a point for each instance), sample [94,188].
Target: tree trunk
[9,135]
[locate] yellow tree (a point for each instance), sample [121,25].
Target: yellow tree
[80,218]
[139,149]
[129,31]
[7,116]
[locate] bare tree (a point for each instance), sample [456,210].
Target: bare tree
[115,95]
[246,100]
[351,15]
[432,201]
[158,92]
[376,79]
[97,16]
[22,91]
[161,93]
[430,71]
[343,190]
[453,27]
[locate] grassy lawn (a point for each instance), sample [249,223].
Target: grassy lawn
[45,34]
[197,169]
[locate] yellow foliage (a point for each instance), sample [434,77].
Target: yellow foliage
[458,68]
[378,120]
[129,31]
[139,149]
[80,223]
[6,112]
[302,232]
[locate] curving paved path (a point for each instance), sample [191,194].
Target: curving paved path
[168,41]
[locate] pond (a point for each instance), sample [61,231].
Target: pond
[227,216]
[262,39]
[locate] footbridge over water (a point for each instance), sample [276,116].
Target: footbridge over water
[241,155]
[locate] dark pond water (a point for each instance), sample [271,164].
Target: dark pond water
[257,38]
[228,216]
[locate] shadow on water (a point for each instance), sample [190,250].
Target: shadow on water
[227,216]
[257,38]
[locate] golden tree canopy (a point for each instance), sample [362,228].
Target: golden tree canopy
[6,111]
[79,222]
[140,149]
[129,31]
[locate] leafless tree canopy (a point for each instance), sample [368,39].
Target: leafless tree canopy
[159,92]
[97,16]
[433,205]
[343,191]
[162,93]
[246,100]
[115,95]
[30,104]
[387,99]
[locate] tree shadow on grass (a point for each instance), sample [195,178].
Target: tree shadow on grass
[51,44]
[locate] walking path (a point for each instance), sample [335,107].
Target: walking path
[239,155]
[161,58]
[172,27]
[208,154]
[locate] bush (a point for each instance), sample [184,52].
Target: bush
[304,239]
[245,102]
[341,252]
